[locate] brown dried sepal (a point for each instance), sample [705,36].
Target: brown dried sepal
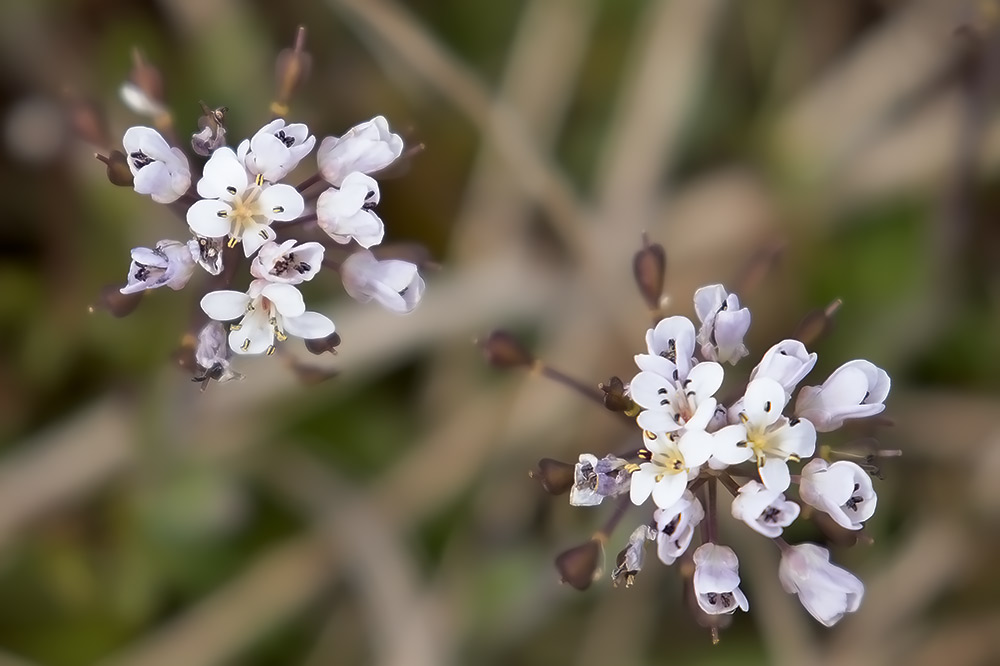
[322,345]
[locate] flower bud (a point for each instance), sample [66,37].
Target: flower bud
[581,565]
[649,266]
[211,133]
[143,92]
[503,350]
[117,303]
[117,168]
[614,396]
[87,120]
[291,69]
[322,345]
[555,476]
[817,324]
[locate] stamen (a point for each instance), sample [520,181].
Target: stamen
[278,209]
[223,214]
[231,190]
[270,350]
[233,242]
[246,344]
[281,336]
[262,234]
[259,180]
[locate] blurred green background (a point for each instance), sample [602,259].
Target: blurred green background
[797,151]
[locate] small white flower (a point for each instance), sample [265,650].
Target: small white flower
[787,363]
[765,434]
[289,262]
[367,148]
[212,354]
[723,324]
[765,511]
[630,560]
[842,490]
[716,580]
[238,207]
[169,264]
[672,459]
[595,479]
[157,169]
[855,390]
[675,527]
[394,283]
[825,590]
[347,213]
[207,252]
[671,349]
[266,311]
[276,149]
[670,405]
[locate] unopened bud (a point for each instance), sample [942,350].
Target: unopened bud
[117,168]
[816,324]
[581,565]
[143,92]
[614,396]
[291,69]
[503,350]
[650,269]
[322,345]
[117,303]
[555,476]
[87,120]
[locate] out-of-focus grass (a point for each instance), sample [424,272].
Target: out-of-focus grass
[385,516]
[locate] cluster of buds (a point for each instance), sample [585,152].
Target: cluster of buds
[239,213]
[692,442]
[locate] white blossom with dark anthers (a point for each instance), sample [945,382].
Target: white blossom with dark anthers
[276,149]
[765,511]
[824,589]
[670,346]
[290,262]
[596,478]
[716,580]
[855,390]
[346,213]
[787,363]
[367,147]
[675,527]
[207,252]
[842,489]
[234,205]
[630,560]
[169,264]
[723,324]
[157,169]
[212,354]
[268,310]
[136,99]
[763,433]
[393,283]
[672,459]
[673,404]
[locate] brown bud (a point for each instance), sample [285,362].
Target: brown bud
[650,269]
[322,345]
[119,304]
[117,168]
[503,350]
[310,375]
[87,120]
[555,476]
[614,396]
[291,69]
[581,565]
[816,324]
[146,77]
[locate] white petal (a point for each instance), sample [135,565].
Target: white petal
[708,300]
[224,176]
[731,445]
[309,325]
[642,483]
[225,305]
[657,421]
[651,391]
[774,474]
[286,299]
[281,202]
[254,336]
[763,402]
[208,218]
[696,446]
[704,379]
[669,489]
[254,236]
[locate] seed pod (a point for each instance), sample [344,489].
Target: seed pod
[503,350]
[581,565]
[650,269]
[555,476]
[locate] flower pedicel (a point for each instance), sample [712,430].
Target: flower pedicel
[691,442]
[241,216]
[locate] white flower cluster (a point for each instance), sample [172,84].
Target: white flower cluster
[241,201]
[689,438]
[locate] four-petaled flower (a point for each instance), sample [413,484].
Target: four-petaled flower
[675,527]
[717,579]
[346,213]
[723,324]
[169,264]
[855,390]
[670,457]
[367,147]
[825,590]
[268,310]
[291,262]
[763,433]
[234,205]
[275,149]
[157,169]
[393,283]
[765,511]
[842,489]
